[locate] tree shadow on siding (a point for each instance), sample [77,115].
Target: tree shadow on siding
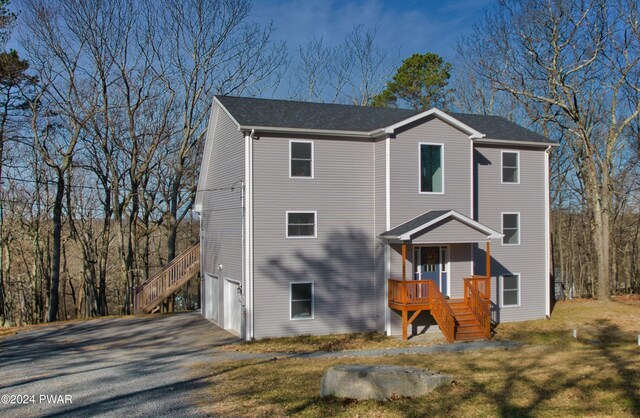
[345,287]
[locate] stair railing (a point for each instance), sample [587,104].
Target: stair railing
[157,288]
[477,303]
[442,312]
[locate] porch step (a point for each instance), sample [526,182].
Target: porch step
[467,326]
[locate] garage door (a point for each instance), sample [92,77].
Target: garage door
[211,297]
[232,306]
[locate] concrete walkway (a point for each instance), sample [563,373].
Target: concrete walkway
[133,366]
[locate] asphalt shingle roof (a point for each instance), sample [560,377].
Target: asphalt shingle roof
[336,117]
[415,223]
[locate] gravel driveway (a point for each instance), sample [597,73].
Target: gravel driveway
[115,367]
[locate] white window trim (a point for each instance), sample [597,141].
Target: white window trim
[502,228]
[313,301]
[315,224]
[502,166]
[420,144]
[313,159]
[502,305]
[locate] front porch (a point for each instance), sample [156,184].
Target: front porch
[428,286]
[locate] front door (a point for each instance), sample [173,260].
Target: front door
[429,264]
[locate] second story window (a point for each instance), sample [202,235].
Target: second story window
[301,159]
[511,228]
[431,168]
[301,224]
[510,167]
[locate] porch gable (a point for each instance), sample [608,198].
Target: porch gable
[441,227]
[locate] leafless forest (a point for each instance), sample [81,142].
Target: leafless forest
[103,112]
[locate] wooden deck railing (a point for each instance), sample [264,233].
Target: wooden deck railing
[419,295]
[182,268]
[410,292]
[476,297]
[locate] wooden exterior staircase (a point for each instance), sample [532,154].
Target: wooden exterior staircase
[167,281]
[463,319]
[459,319]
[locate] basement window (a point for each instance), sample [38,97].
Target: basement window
[510,285]
[301,296]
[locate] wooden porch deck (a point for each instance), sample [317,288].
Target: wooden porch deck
[463,319]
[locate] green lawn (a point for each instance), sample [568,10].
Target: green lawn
[552,374]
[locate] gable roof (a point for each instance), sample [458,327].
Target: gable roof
[307,115]
[270,114]
[404,231]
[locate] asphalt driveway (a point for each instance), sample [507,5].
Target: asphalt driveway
[115,367]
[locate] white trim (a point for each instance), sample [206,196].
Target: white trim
[240,128]
[414,263]
[489,141]
[472,254]
[441,115]
[248,237]
[387,183]
[387,275]
[502,228]
[501,291]
[324,132]
[420,144]
[449,241]
[502,152]
[313,159]
[315,224]
[227,307]
[547,246]
[387,248]
[313,301]
[471,176]
[491,234]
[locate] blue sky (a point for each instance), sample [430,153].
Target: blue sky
[405,26]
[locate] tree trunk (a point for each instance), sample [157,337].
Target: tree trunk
[55,261]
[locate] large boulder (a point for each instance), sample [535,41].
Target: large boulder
[383,382]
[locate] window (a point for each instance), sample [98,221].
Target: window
[511,228]
[301,300]
[431,168]
[510,167]
[301,159]
[301,224]
[511,290]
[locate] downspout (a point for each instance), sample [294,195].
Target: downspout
[547,231]
[247,193]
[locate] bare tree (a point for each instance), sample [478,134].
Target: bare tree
[354,71]
[575,64]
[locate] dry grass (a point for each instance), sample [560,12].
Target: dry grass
[551,375]
[337,342]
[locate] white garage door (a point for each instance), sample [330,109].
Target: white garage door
[211,297]
[232,306]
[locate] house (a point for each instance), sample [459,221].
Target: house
[324,218]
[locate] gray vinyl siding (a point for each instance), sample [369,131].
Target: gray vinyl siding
[406,201]
[339,261]
[222,209]
[448,231]
[380,210]
[528,199]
